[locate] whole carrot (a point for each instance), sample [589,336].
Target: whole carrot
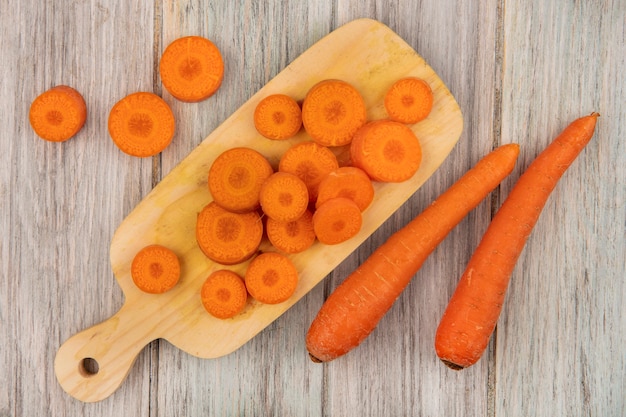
[356,306]
[473,310]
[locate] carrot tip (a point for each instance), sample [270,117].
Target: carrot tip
[314,359]
[452,365]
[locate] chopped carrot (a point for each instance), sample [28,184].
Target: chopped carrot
[278,117]
[271,278]
[236,177]
[58,113]
[284,197]
[191,68]
[155,269]
[310,162]
[409,100]
[387,151]
[337,220]
[472,313]
[228,238]
[332,111]
[141,124]
[224,294]
[355,307]
[350,182]
[291,237]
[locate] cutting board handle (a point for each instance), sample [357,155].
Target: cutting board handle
[92,364]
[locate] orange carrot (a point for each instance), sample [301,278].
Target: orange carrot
[224,294]
[271,278]
[236,177]
[228,238]
[278,117]
[356,306]
[155,269]
[388,151]
[58,113]
[350,182]
[141,124]
[337,220]
[475,306]
[409,100]
[332,111]
[191,68]
[310,162]
[291,237]
[284,197]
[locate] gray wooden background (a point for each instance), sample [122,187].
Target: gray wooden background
[521,71]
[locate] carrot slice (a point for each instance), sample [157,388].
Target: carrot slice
[236,177]
[388,151]
[141,124]
[284,197]
[191,68]
[228,238]
[332,112]
[271,278]
[337,220]
[409,100]
[310,162]
[291,237]
[58,114]
[278,117]
[349,182]
[224,294]
[155,269]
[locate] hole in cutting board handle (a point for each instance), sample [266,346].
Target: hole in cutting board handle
[88,367]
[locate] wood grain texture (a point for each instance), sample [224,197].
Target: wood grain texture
[520,72]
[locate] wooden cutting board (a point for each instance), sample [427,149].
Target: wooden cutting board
[363,52]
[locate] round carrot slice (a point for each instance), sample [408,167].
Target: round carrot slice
[284,197]
[58,114]
[350,182]
[271,278]
[337,220]
[155,269]
[409,100]
[291,237]
[191,68]
[224,294]
[278,117]
[141,124]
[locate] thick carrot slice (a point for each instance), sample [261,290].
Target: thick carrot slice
[291,237]
[271,278]
[475,306]
[409,100]
[355,307]
[349,182]
[224,294]
[141,124]
[337,220]
[58,114]
[191,68]
[278,117]
[155,269]
[284,197]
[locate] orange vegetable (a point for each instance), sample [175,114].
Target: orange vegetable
[271,278]
[310,162]
[228,238]
[337,220]
[278,117]
[388,151]
[284,197]
[191,68]
[355,307]
[291,237]
[236,177]
[475,306]
[224,294]
[155,269]
[58,113]
[141,124]
[409,100]
[332,111]
[350,182]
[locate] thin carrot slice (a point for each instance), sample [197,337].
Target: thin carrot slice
[291,237]
[191,68]
[224,294]
[228,238]
[337,220]
[310,162]
[388,151]
[332,112]
[278,117]
[284,197]
[236,177]
[271,278]
[58,114]
[155,269]
[141,124]
[350,182]
[409,100]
